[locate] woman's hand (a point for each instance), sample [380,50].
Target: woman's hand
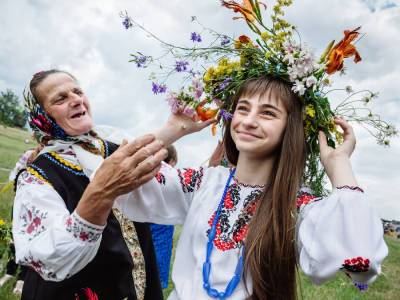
[130,166]
[179,125]
[337,161]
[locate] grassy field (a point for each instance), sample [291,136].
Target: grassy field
[387,287]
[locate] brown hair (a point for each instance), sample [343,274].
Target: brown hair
[38,78]
[270,253]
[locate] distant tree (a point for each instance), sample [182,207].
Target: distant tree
[11,111]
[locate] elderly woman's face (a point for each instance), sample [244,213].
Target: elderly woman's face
[65,102]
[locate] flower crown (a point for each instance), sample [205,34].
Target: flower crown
[274,50]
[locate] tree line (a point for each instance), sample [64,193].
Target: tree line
[12,113]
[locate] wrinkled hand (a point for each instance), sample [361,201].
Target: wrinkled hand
[130,166]
[337,161]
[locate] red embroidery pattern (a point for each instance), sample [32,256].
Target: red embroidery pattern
[230,237]
[190,179]
[29,178]
[32,221]
[81,230]
[38,266]
[160,178]
[304,198]
[357,264]
[88,293]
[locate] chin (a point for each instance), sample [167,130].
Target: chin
[79,130]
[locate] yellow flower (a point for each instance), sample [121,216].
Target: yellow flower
[2,222]
[310,111]
[265,36]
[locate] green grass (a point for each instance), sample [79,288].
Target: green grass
[386,287]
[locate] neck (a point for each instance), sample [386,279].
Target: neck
[254,171]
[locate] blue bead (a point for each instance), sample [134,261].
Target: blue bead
[213,293]
[221,295]
[206,285]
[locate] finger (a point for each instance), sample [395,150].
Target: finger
[204,124]
[144,153]
[147,177]
[150,163]
[323,143]
[348,131]
[137,144]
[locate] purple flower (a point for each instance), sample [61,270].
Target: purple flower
[141,61]
[194,73]
[224,84]
[225,115]
[225,40]
[181,66]
[173,102]
[127,22]
[189,111]
[158,88]
[195,37]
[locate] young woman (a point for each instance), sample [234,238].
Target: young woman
[241,237]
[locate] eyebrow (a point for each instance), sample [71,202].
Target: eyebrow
[265,105]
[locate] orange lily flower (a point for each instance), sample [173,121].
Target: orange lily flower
[342,50]
[245,9]
[244,39]
[205,113]
[214,129]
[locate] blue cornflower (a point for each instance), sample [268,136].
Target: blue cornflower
[181,66]
[224,84]
[225,40]
[195,37]
[158,88]
[225,115]
[141,60]
[127,22]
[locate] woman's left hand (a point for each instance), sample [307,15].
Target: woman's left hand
[337,161]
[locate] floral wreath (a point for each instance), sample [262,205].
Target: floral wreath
[276,50]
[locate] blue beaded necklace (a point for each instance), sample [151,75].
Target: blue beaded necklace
[214,293]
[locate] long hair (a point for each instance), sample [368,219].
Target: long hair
[270,251]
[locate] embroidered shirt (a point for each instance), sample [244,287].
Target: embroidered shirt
[330,230]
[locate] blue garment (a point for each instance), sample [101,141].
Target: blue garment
[162,240]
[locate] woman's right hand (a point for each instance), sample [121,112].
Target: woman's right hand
[130,166]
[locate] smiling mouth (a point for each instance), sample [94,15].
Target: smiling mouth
[248,134]
[78,115]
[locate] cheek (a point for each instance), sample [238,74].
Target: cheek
[58,113]
[87,106]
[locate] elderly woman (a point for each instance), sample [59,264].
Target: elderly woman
[64,225]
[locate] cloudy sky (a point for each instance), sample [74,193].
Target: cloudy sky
[88,39]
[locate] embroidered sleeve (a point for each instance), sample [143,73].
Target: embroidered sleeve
[164,200]
[340,233]
[55,243]
[305,197]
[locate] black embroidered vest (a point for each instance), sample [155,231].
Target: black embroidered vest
[109,274]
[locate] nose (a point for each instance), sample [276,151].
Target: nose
[76,100]
[250,120]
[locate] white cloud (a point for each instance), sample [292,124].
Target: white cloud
[88,39]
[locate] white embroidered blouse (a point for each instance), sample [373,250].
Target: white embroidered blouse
[339,232]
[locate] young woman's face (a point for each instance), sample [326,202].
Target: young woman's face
[65,102]
[258,125]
